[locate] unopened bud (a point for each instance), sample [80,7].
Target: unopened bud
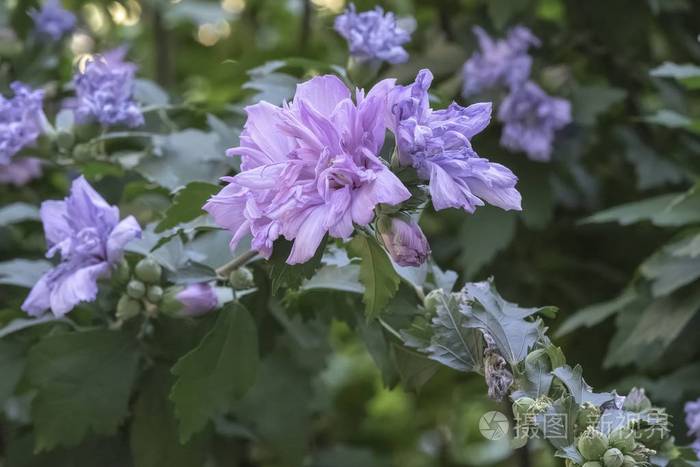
[592,444]
[592,464]
[613,457]
[404,240]
[622,439]
[148,271]
[191,300]
[433,299]
[637,401]
[65,139]
[154,293]
[127,307]
[629,461]
[241,278]
[121,273]
[135,289]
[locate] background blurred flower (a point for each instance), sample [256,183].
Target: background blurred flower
[438,144]
[530,119]
[309,168]
[52,20]
[87,233]
[20,120]
[373,35]
[20,171]
[503,62]
[692,420]
[104,91]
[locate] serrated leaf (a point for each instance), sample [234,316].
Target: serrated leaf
[652,169]
[446,339]
[668,272]
[376,273]
[218,371]
[579,390]
[12,360]
[597,313]
[556,423]
[18,212]
[504,321]
[187,204]
[154,433]
[23,272]
[291,275]
[482,236]
[589,102]
[83,382]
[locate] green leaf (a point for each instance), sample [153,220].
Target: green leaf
[652,169]
[218,371]
[291,275]
[482,236]
[589,102]
[578,388]
[561,434]
[344,278]
[668,272]
[669,119]
[23,272]
[414,369]
[187,204]
[504,321]
[597,313]
[502,11]
[149,93]
[83,382]
[154,433]
[688,74]
[11,366]
[18,212]
[377,274]
[446,339]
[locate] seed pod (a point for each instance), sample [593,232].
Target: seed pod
[136,289]
[241,278]
[613,457]
[148,271]
[154,293]
[622,439]
[127,307]
[592,444]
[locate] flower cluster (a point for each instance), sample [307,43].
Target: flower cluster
[90,238]
[20,120]
[437,143]
[692,420]
[530,117]
[321,172]
[309,169]
[373,35]
[104,91]
[53,21]
[499,63]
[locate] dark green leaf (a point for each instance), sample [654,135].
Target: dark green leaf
[83,382]
[579,390]
[597,313]
[216,373]
[187,204]
[291,275]
[12,358]
[589,102]
[377,274]
[18,212]
[482,236]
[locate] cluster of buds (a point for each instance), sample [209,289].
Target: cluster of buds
[145,293]
[619,449]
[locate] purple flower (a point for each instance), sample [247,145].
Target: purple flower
[197,299]
[20,120]
[692,418]
[404,240]
[309,168]
[437,143]
[530,118]
[87,233]
[53,20]
[20,171]
[504,62]
[104,91]
[373,35]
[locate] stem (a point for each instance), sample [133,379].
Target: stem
[389,328]
[235,263]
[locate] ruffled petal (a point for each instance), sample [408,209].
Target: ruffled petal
[125,231]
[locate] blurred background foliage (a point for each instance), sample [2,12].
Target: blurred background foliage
[625,280]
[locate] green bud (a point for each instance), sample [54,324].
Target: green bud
[538,358]
[127,307]
[148,271]
[170,305]
[592,444]
[521,407]
[65,139]
[241,278]
[592,464]
[135,289]
[622,439]
[433,299]
[613,457]
[629,461]
[82,152]
[154,293]
[588,415]
[121,273]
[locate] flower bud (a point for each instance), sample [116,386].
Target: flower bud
[433,299]
[622,439]
[121,273]
[592,444]
[65,139]
[521,407]
[592,464]
[191,300]
[613,457]
[538,358]
[135,289]
[629,461]
[637,401]
[404,240]
[241,278]
[127,307]
[154,294]
[148,271]
[588,415]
